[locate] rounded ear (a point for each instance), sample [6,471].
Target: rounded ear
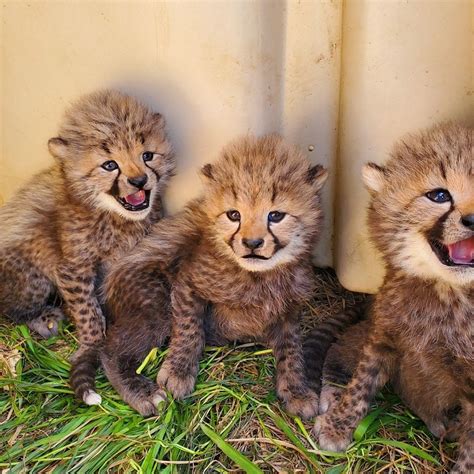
[58,147]
[158,121]
[206,171]
[374,177]
[317,176]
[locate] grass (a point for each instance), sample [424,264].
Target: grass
[231,423]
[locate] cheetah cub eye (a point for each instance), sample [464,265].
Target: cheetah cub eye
[276,216]
[439,195]
[110,165]
[233,215]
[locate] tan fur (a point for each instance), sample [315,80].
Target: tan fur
[421,332]
[219,294]
[60,232]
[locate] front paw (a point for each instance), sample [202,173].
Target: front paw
[179,385]
[331,434]
[303,405]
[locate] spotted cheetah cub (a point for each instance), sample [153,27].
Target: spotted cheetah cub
[420,333]
[63,229]
[244,272]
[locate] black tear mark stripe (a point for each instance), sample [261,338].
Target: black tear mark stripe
[114,190]
[276,240]
[436,232]
[232,238]
[158,177]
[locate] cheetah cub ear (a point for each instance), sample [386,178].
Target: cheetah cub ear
[374,177]
[207,171]
[317,176]
[58,147]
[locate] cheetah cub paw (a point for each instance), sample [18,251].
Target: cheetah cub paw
[303,404]
[47,324]
[179,385]
[331,434]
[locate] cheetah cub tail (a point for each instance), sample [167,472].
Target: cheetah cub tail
[319,340]
[82,377]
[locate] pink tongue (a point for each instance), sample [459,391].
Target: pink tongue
[136,199]
[462,252]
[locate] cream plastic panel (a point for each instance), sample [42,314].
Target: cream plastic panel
[405,65]
[217,69]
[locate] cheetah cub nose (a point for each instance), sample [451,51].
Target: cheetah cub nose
[253,244]
[468,221]
[138,181]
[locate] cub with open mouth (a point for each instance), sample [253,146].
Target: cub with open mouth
[420,333]
[239,265]
[69,223]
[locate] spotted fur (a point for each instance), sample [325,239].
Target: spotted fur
[63,229]
[419,335]
[236,274]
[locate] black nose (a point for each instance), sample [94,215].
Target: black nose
[468,221]
[252,244]
[138,181]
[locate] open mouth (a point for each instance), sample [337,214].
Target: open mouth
[136,201]
[457,254]
[258,257]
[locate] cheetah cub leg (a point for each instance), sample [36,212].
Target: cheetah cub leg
[291,385]
[334,429]
[465,432]
[47,323]
[179,370]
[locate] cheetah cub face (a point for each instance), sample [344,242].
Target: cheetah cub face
[263,202]
[422,213]
[114,154]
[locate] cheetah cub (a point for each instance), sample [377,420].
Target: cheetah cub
[242,275]
[420,332]
[62,230]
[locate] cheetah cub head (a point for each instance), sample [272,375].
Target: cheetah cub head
[262,202]
[114,154]
[422,209]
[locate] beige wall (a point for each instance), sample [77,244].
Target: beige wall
[214,69]
[405,65]
[217,69]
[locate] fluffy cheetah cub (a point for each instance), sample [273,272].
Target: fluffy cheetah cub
[420,334]
[99,198]
[247,244]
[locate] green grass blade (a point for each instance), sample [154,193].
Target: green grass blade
[242,461]
[151,356]
[366,422]
[405,446]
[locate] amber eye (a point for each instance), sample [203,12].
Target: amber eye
[233,215]
[110,165]
[439,195]
[276,216]
[147,155]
